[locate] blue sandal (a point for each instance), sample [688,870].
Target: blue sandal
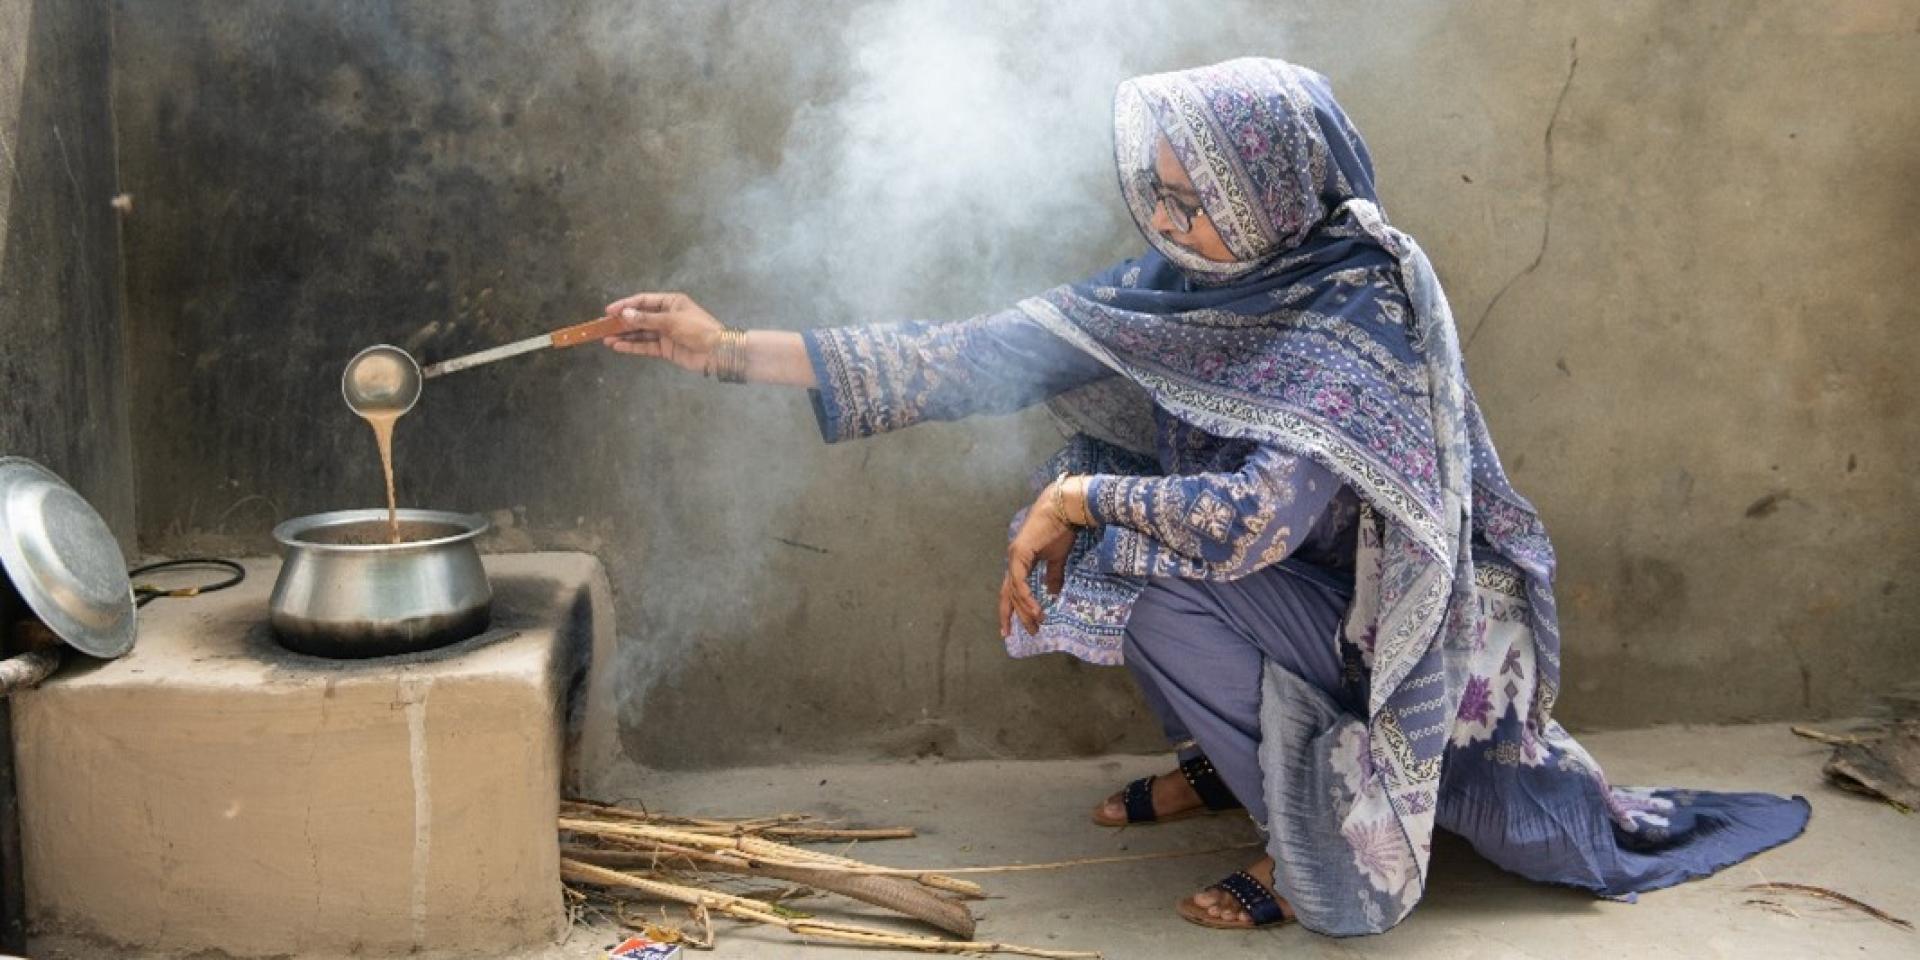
[1137,797]
[1262,908]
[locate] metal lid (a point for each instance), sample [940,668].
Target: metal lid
[63,560]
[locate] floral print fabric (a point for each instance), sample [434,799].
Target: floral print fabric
[1210,525]
[887,376]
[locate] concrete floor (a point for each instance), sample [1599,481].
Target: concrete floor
[995,813]
[1007,812]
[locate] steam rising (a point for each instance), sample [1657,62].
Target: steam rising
[967,163]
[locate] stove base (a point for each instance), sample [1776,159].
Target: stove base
[212,791]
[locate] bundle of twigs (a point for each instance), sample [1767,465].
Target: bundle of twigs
[621,851]
[675,859]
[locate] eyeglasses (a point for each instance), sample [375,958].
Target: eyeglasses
[1178,210]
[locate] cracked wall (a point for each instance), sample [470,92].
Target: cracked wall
[1677,236]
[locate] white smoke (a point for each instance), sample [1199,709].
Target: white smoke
[968,162]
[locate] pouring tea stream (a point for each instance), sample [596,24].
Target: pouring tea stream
[383,382]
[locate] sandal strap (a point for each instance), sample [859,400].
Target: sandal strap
[1207,784]
[1138,798]
[1259,903]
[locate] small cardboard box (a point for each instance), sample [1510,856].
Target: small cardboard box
[640,948]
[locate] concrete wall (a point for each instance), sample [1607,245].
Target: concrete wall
[1678,237]
[62,362]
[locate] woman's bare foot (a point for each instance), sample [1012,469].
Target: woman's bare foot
[1215,907]
[1172,796]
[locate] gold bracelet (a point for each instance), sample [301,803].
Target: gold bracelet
[739,356]
[727,362]
[1056,504]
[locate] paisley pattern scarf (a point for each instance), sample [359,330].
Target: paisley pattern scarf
[1328,336]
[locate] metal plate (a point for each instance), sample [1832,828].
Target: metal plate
[63,560]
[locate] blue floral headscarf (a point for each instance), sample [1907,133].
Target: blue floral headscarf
[1241,350]
[1268,150]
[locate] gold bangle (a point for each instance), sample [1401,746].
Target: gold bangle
[1059,504]
[727,361]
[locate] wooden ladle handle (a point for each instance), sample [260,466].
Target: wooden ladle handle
[589,332]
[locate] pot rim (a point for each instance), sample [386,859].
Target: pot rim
[288,532]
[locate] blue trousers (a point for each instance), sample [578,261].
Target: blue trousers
[1197,647]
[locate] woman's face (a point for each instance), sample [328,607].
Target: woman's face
[1177,189]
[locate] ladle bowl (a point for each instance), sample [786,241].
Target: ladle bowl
[382,380]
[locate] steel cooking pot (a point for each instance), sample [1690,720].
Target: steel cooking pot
[346,591]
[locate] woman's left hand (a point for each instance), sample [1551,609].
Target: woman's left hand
[1043,538]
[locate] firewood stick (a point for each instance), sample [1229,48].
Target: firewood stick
[28,669]
[765,851]
[742,908]
[893,893]
[802,834]
[1836,897]
[786,826]
[735,861]
[647,816]
[1831,739]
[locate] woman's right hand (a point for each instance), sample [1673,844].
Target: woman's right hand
[1044,541]
[666,326]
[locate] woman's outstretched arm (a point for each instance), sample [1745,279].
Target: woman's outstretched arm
[868,379]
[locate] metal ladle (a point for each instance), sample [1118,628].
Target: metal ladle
[385,380]
[381,380]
